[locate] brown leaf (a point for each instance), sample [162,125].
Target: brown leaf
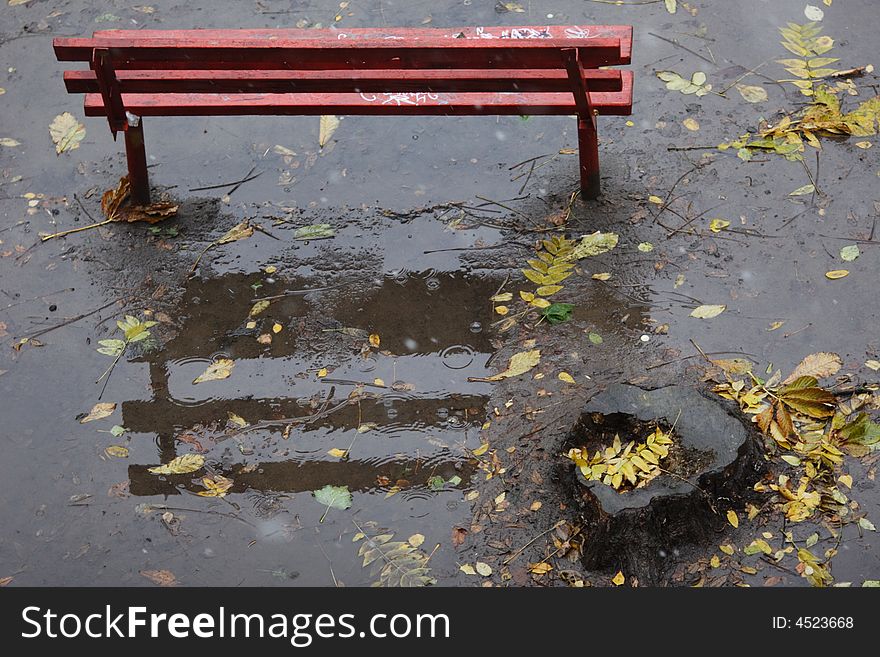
[161,577]
[458,535]
[813,401]
[113,205]
[819,365]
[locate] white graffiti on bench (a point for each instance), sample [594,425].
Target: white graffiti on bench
[402,98]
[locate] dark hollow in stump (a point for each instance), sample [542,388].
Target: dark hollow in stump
[712,467]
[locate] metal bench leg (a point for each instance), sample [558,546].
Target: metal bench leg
[136,155]
[588,151]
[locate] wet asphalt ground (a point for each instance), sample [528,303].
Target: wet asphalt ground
[409,264]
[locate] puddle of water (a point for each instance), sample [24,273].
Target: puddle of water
[404,411]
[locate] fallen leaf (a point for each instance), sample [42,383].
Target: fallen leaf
[604,276]
[276,328]
[314,232]
[479,451]
[467,569]
[540,568]
[850,253]
[534,506]
[864,523]
[656,200]
[806,189]
[813,13]
[864,145]
[671,5]
[6,580]
[732,518]
[337,453]
[519,363]
[219,369]
[328,126]
[708,311]
[819,365]
[66,132]
[483,568]
[618,579]
[9,142]
[752,93]
[335,497]
[258,307]
[593,245]
[836,273]
[717,225]
[675,82]
[160,577]
[565,376]
[217,486]
[239,231]
[181,465]
[117,451]
[99,411]
[646,247]
[416,540]
[873,364]
[846,480]
[691,124]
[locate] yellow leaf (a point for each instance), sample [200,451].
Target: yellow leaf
[519,363]
[99,412]
[548,290]
[846,480]
[717,225]
[618,579]
[379,382]
[708,311]
[251,325]
[873,364]
[258,307]
[604,276]
[322,372]
[271,269]
[864,145]
[337,453]
[236,420]
[656,200]
[467,569]
[479,451]
[836,273]
[276,327]
[715,562]
[118,451]
[502,310]
[217,486]
[327,127]
[483,568]
[540,303]
[540,568]
[806,189]
[752,93]
[732,518]
[181,465]
[66,132]
[375,341]
[526,296]
[691,124]
[219,369]
[565,376]
[416,540]
[239,231]
[534,506]
[499,298]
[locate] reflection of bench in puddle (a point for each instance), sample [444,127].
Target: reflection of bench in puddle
[302,476]
[420,317]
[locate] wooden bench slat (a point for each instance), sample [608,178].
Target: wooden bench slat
[307,54]
[379,81]
[194,104]
[574,35]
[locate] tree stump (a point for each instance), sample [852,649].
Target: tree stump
[712,466]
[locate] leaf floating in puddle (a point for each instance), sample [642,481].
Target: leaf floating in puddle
[181,465]
[618,579]
[161,577]
[696,85]
[338,453]
[239,231]
[9,142]
[717,225]
[314,232]
[333,497]
[258,307]
[708,311]
[217,486]
[593,245]
[66,132]
[220,369]
[557,313]
[117,451]
[836,273]
[99,412]
[819,366]
[519,364]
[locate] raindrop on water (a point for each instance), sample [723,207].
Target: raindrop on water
[457,357]
[432,283]
[476,327]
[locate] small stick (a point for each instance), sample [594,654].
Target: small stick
[44,238]
[520,551]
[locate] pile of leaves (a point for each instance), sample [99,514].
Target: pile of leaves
[811,431]
[823,116]
[555,262]
[631,465]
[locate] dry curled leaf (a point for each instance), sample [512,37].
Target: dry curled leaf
[818,365]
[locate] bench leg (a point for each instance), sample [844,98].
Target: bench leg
[136,155]
[588,149]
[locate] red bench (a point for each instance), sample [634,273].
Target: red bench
[400,71]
